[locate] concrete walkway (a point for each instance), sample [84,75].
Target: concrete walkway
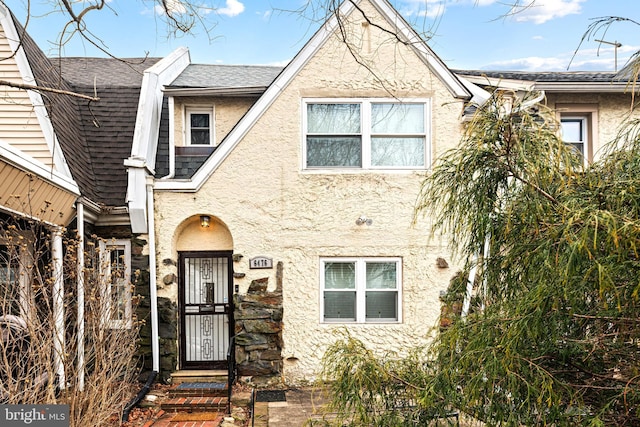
[301,405]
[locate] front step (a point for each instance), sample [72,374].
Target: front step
[195,404]
[203,375]
[199,389]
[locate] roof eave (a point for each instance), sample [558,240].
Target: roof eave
[583,87]
[215,91]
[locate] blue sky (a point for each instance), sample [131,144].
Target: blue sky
[468,34]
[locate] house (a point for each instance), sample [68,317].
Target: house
[264,208]
[284,198]
[590,105]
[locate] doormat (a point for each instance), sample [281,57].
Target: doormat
[195,416]
[270,396]
[198,385]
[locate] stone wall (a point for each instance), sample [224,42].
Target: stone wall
[258,329]
[167,320]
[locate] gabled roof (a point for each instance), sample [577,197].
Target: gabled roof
[400,27]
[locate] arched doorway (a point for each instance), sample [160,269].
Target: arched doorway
[205,292]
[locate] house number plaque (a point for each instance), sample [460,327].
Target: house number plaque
[260,262]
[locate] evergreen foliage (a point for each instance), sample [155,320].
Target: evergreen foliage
[552,337]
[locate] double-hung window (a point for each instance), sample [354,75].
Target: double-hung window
[199,126]
[366,134]
[361,290]
[116,291]
[574,133]
[9,281]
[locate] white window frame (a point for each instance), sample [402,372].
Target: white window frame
[584,137]
[25,268]
[105,267]
[588,112]
[366,132]
[360,265]
[210,111]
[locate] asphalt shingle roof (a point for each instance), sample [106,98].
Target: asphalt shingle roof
[108,124]
[577,76]
[226,76]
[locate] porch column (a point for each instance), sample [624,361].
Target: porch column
[80,275]
[58,306]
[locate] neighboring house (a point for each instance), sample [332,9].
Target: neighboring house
[63,174]
[590,105]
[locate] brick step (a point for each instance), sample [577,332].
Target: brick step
[195,404]
[203,375]
[199,389]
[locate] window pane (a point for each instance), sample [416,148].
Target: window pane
[199,120]
[339,305]
[200,137]
[381,275]
[397,118]
[334,151]
[118,284]
[397,151]
[9,286]
[339,275]
[333,118]
[382,305]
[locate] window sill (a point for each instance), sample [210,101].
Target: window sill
[192,150]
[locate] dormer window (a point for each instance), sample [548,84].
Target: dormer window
[199,130]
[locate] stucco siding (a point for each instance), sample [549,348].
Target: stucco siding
[19,125]
[227,112]
[273,207]
[612,110]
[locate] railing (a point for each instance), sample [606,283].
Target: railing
[231,371]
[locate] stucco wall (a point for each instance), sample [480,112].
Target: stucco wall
[227,112]
[273,208]
[612,110]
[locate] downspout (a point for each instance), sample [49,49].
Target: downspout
[80,230]
[153,289]
[153,293]
[58,307]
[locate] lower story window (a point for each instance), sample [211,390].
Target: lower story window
[116,292]
[361,289]
[9,284]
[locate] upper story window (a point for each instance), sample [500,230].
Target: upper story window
[579,127]
[116,292]
[366,134]
[574,133]
[361,290]
[199,126]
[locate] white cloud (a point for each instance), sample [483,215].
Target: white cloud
[537,11]
[233,8]
[541,11]
[602,59]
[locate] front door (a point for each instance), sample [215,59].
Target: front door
[205,305]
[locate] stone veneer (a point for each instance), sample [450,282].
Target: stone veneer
[258,329]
